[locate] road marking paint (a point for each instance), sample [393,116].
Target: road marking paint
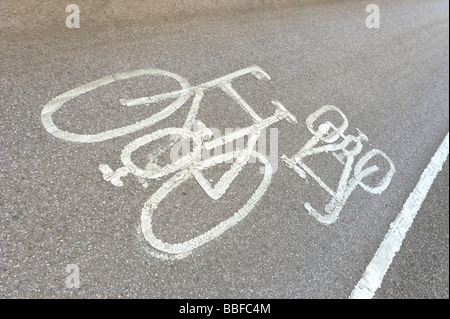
[325,140]
[55,104]
[191,165]
[181,250]
[377,268]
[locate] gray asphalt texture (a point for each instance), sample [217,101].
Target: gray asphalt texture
[423,259]
[56,209]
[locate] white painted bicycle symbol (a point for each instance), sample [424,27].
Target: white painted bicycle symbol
[192,165]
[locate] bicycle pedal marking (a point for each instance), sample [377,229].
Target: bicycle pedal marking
[325,140]
[345,155]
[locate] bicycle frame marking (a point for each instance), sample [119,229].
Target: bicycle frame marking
[346,184]
[157,172]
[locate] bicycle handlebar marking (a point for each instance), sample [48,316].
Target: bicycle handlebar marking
[324,141]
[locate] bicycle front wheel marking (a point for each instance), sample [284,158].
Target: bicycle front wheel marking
[184,248]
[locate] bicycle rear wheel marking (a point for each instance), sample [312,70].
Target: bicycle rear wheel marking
[58,102]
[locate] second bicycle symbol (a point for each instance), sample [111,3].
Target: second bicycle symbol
[327,138]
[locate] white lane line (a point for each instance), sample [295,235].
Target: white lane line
[375,271]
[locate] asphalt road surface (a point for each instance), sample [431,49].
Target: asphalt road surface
[69,230]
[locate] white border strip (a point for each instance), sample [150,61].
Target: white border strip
[375,271]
